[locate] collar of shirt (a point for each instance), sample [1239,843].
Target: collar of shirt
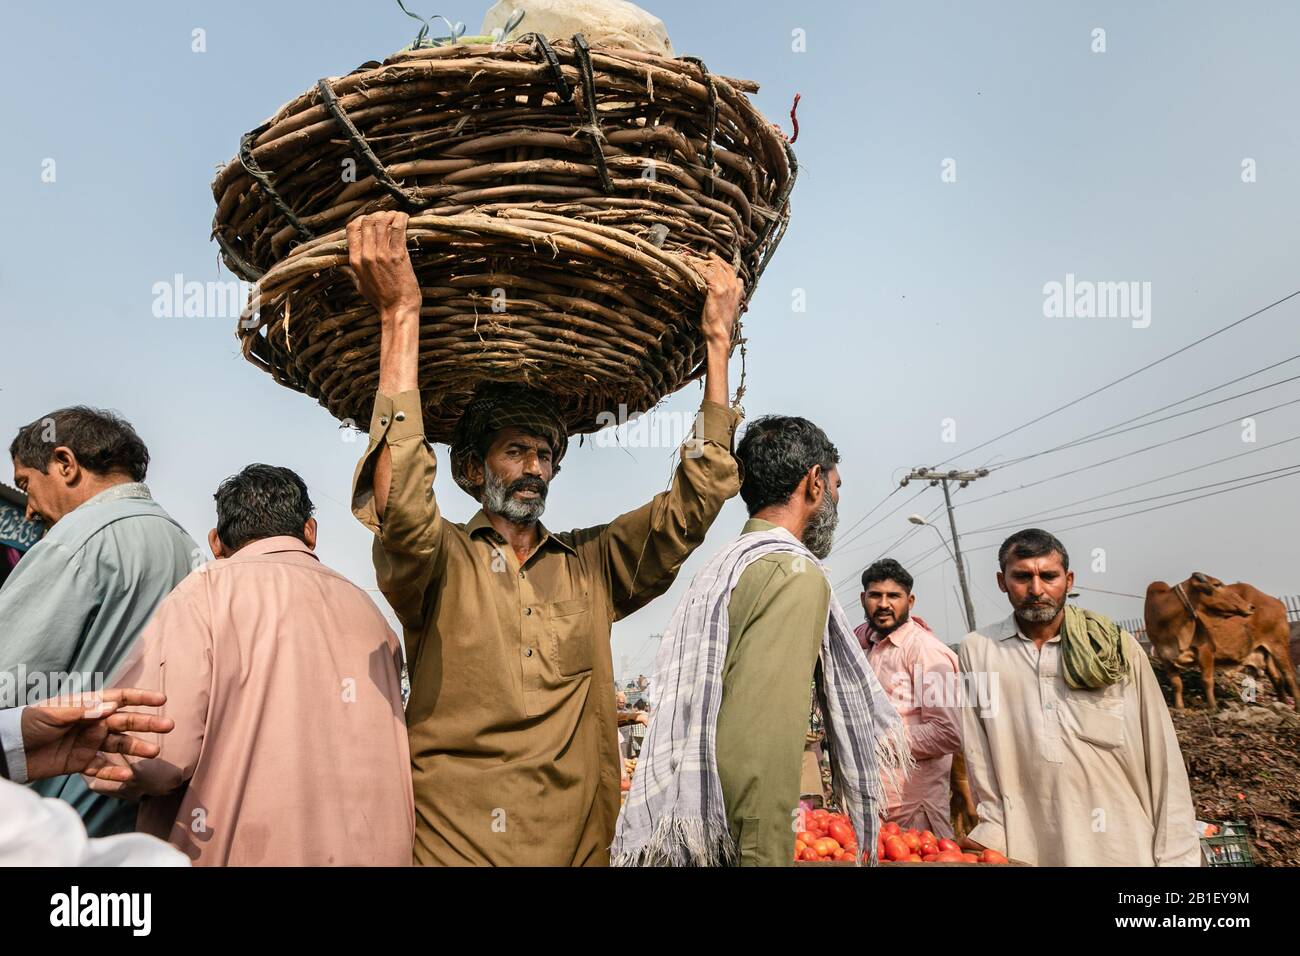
[128,489]
[274,545]
[480,522]
[1006,629]
[869,637]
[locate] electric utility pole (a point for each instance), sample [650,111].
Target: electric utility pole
[963,478]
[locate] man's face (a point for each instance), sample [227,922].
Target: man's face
[888,605]
[48,498]
[517,475]
[819,534]
[1036,587]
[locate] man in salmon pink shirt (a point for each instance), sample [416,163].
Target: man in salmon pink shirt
[919,673]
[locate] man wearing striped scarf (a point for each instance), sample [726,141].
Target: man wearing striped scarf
[717,782]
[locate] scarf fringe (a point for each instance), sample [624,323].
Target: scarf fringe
[682,842]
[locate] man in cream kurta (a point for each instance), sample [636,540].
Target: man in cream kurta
[1066,777]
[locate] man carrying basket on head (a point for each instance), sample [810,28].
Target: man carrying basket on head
[511,718]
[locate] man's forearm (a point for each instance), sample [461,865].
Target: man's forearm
[717,355]
[399,368]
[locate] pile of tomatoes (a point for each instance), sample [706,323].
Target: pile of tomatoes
[830,837]
[921,846]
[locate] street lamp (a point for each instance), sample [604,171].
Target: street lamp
[918,520]
[956,559]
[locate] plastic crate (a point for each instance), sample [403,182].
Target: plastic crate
[1230,846]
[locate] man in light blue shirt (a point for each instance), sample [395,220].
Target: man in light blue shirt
[75,604]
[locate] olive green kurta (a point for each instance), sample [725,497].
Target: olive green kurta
[511,717]
[777,613]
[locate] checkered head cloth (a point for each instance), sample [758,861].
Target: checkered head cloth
[504,406]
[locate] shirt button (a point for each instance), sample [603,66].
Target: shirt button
[528,611]
[528,652]
[521,574]
[400,417]
[383,421]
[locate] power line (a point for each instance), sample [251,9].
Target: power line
[1136,501]
[1171,504]
[1150,481]
[1088,524]
[879,520]
[1140,597]
[897,489]
[1113,430]
[1130,454]
[915,529]
[1126,377]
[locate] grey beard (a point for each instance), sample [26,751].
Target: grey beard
[820,533]
[1038,615]
[498,500]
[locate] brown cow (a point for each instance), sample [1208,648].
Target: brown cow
[1202,620]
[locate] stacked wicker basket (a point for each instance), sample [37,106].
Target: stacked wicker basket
[557,195]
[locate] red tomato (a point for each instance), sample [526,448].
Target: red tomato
[946,844]
[809,854]
[890,829]
[929,849]
[804,837]
[799,846]
[928,837]
[930,858]
[993,856]
[969,858]
[912,840]
[842,833]
[949,856]
[896,849]
[820,817]
[826,846]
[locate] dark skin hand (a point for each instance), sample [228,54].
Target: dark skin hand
[72,735]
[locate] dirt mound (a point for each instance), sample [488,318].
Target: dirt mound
[1242,761]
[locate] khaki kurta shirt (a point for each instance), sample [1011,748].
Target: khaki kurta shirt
[514,747]
[1065,777]
[777,617]
[290,746]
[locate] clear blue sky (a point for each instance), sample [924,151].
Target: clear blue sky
[924,298]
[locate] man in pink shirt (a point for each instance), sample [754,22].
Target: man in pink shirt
[283,680]
[920,675]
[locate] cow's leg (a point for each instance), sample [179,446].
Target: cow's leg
[1206,655]
[1176,682]
[1280,675]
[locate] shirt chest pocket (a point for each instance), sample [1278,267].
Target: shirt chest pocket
[1101,725]
[571,636]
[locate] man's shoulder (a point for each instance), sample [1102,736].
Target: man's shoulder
[99,523]
[922,639]
[987,635]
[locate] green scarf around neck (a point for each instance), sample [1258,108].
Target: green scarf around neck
[1093,650]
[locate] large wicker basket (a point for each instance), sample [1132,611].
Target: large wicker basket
[557,194]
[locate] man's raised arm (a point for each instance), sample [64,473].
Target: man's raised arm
[392,492]
[645,547]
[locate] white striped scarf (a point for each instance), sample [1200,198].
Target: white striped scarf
[674,815]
